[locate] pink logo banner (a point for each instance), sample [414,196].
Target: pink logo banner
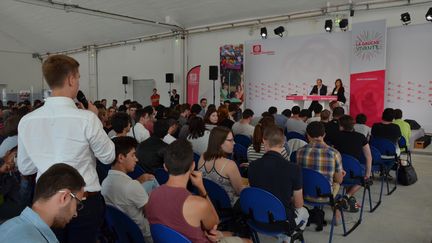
[193,78]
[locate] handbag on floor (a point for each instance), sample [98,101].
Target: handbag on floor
[406,174]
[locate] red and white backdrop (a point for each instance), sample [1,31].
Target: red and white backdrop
[275,68]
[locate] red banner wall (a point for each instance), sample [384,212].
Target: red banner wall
[193,78]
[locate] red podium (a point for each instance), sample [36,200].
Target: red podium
[300,99]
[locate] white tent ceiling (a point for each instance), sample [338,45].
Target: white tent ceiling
[29,28]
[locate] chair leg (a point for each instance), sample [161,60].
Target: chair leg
[332,224]
[360,216]
[371,209]
[389,192]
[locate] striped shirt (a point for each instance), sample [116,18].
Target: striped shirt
[253,155]
[320,157]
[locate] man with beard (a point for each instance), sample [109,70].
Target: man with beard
[58,197]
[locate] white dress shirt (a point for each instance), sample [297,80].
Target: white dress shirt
[59,132]
[139,132]
[168,139]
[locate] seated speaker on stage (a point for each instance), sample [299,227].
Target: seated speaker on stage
[339,91]
[318,89]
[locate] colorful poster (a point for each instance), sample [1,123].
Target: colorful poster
[368,69]
[231,71]
[193,78]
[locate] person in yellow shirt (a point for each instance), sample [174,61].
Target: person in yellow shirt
[403,125]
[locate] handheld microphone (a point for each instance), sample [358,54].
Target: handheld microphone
[81,98]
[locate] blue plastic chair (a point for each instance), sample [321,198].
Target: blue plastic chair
[161,176]
[315,185]
[355,173]
[125,229]
[291,135]
[163,234]
[138,171]
[244,140]
[388,149]
[240,153]
[264,209]
[293,157]
[219,199]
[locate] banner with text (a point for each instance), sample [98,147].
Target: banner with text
[368,69]
[193,78]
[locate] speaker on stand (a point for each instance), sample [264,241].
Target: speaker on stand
[213,75]
[169,79]
[125,80]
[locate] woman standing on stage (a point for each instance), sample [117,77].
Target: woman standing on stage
[339,90]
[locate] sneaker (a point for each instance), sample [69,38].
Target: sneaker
[353,206]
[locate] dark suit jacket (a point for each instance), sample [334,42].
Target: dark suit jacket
[323,90]
[340,94]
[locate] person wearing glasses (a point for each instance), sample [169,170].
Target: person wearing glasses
[215,166]
[57,199]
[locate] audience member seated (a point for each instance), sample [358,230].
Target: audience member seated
[243,126]
[172,128]
[121,124]
[317,113]
[318,156]
[280,120]
[211,118]
[386,129]
[361,126]
[12,202]
[11,134]
[103,117]
[120,191]
[286,113]
[184,114]
[332,127]
[355,144]
[325,116]
[404,126]
[57,199]
[174,206]
[278,176]
[233,111]
[216,167]
[256,149]
[139,130]
[131,111]
[150,151]
[198,135]
[224,117]
[297,122]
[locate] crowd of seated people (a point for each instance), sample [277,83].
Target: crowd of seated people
[101,145]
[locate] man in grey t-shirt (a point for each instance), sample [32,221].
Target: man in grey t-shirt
[243,126]
[297,122]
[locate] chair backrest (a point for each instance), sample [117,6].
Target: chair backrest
[125,228]
[385,146]
[240,153]
[196,158]
[243,140]
[293,157]
[291,135]
[163,234]
[217,195]
[161,176]
[138,171]
[261,205]
[376,156]
[402,142]
[315,184]
[353,168]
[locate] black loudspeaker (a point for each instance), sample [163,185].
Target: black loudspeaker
[125,80]
[169,77]
[213,72]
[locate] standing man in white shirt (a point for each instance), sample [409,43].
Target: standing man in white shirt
[143,116]
[59,132]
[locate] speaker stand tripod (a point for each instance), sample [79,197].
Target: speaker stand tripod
[214,92]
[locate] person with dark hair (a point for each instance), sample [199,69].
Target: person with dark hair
[60,132]
[122,108]
[131,110]
[386,129]
[196,110]
[120,191]
[349,142]
[174,98]
[184,114]
[211,117]
[280,119]
[171,204]
[318,89]
[404,126]
[198,135]
[143,117]
[361,126]
[332,127]
[287,113]
[121,124]
[278,176]
[171,130]
[104,103]
[216,167]
[297,122]
[317,114]
[58,197]
[325,116]
[256,149]
[150,151]
[11,133]
[339,91]
[203,105]
[224,117]
[243,126]
[114,104]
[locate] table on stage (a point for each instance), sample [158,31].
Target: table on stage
[300,99]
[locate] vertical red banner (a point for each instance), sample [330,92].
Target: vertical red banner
[193,78]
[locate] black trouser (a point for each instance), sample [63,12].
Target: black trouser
[85,227]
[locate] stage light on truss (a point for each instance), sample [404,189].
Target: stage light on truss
[264,32]
[429,15]
[406,18]
[328,25]
[343,24]
[279,31]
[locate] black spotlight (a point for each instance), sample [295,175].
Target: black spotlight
[429,15]
[343,24]
[328,25]
[279,31]
[406,18]
[264,32]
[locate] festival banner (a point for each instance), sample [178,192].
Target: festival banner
[231,71]
[368,69]
[193,78]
